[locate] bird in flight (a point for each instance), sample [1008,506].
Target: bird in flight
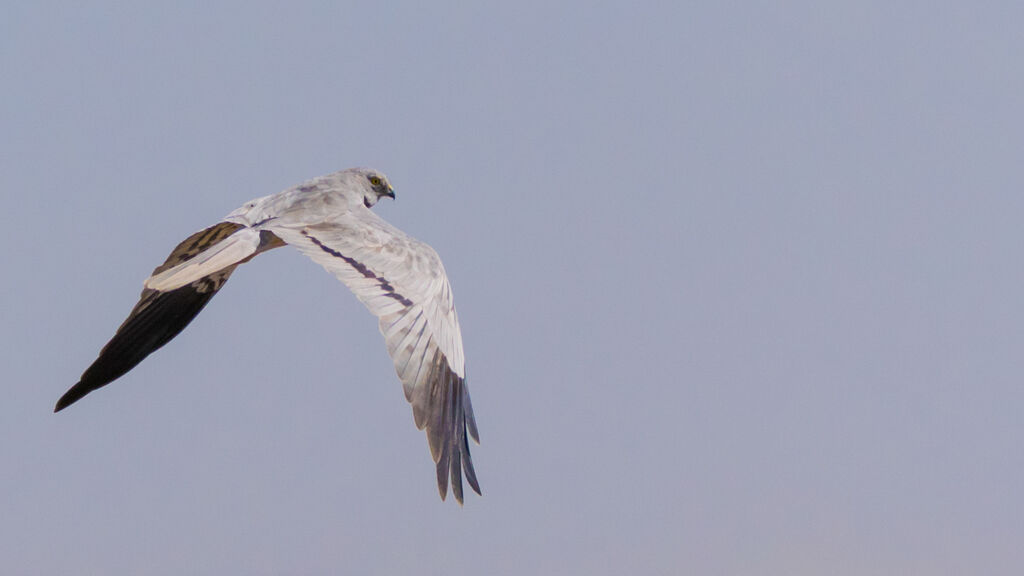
[398,278]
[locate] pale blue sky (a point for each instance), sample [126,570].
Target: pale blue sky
[740,287]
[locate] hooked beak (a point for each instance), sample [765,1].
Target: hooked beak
[390,193]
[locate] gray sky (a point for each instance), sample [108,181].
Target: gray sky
[740,287]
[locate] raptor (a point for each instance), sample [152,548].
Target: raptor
[398,278]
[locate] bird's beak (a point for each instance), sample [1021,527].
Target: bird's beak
[390,193]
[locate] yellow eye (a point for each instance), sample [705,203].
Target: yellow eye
[375,180]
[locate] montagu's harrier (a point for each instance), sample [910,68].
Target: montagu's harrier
[399,279]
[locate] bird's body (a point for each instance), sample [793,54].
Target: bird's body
[398,278]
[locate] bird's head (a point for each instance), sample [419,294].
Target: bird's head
[371,183]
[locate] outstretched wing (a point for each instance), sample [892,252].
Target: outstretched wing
[160,314]
[402,282]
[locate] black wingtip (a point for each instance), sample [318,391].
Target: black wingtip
[70,397]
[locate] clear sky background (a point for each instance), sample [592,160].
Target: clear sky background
[740,285]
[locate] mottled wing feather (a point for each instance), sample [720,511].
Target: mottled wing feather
[157,317]
[403,283]
[230,251]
